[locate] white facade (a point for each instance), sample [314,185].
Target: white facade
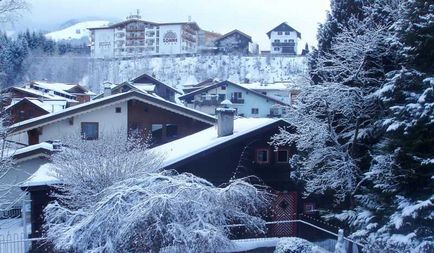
[108,120]
[280,40]
[102,44]
[247,103]
[137,38]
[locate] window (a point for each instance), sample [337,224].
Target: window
[262,156]
[255,110]
[276,41]
[286,33]
[309,207]
[222,97]
[171,131]
[223,87]
[89,130]
[237,95]
[282,156]
[157,132]
[279,33]
[118,110]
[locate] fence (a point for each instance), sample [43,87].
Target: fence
[327,240]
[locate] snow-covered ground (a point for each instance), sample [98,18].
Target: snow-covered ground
[77,31]
[179,71]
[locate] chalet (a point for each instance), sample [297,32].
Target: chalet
[234,42]
[243,143]
[143,83]
[122,112]
[248,103]
[284,39]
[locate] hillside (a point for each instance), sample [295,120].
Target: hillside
[175,71]
[178,71]
[77,31]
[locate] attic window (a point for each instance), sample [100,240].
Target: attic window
[286,33]
[279,33]
[118,109]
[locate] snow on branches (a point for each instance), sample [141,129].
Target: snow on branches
[326,124]
[9,9]
[87,167]
[355,55]
[176,212]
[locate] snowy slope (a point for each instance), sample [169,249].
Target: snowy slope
[77,31]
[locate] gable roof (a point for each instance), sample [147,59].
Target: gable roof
[284,27]
[188,95]
[106,101]
[179,150]
[184,148]
[234,32]
[145,78]
[38,93]
[35,102]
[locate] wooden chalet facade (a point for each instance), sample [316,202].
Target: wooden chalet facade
[24,110]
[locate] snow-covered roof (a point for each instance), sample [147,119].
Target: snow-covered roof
[174,151]
[44,175]
[145,87]
[209,87]
[43,94]
[188,146]
[43,145]
[266,86]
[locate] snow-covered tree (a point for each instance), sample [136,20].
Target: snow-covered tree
[156,212]
[391,144]
[85,167]
[10,9]
[327,124]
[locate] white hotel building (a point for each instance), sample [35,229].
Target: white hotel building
[135,38]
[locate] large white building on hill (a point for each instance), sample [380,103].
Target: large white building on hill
[136,38]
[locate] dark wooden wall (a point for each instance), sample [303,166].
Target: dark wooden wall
[23,111]
[141,116]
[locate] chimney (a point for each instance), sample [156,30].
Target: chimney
[225,119]
[107,89]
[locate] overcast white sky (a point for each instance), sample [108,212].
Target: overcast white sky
[254,17]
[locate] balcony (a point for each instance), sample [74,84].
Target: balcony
[283,44]
[208,102]
[135,37]
[237,101]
